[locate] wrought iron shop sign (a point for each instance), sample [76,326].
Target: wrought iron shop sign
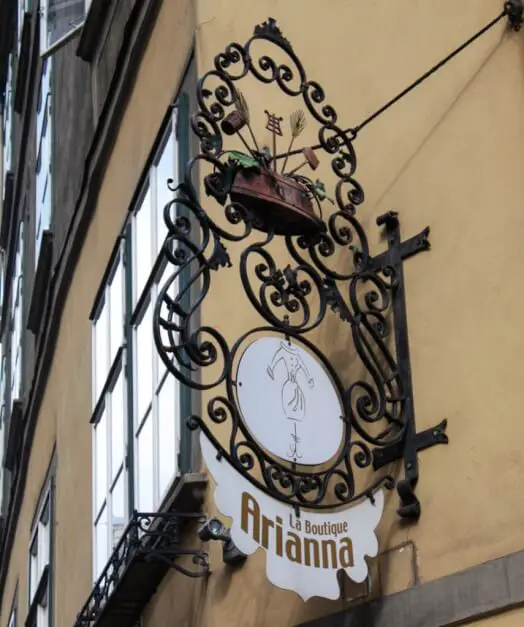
[297,449]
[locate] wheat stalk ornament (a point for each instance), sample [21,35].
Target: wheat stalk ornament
[297,123]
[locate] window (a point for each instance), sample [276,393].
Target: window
[40,558]
[12,616]
[8,118]
[59,18]
[109,393]
[136,402]
[16,320]
[156,393]
[2,277]
[23,6]
[3,363]
[43,157]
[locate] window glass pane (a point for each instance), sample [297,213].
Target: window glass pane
[7,117]
[19,314]
[43,115]
[33,566]
[44,516]
[43,165]
[38,225]
[43,547]
[172,292]
[117,425]
[18,272]
[45,88]
[16,322]
[101,548]
[16,390]
[46,202]
[101,461]
[168,416]
[23,6]
[118,505]
[145,467]
[166,169]
[63,16]
[144,363]
[143,245]
[45,138]
[117,311]
[101,351]
[41,617]
[16,345]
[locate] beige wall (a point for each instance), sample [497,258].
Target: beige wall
[450,156]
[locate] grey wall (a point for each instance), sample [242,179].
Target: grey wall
[72,136]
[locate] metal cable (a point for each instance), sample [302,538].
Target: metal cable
[422,78]
[353,131]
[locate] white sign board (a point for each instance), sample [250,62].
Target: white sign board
[291,406]
[304,553]
[288,401]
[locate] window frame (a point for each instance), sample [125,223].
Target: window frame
[3,420]
[43,169]
[7,119]
[48,49]
[13,613]
[175,129]
[102,394]
[103,297]
[40,588]
[104,505]
[144,297]
[23,6]
[16,316]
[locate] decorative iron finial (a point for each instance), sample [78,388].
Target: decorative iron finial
[515,12]
[273,126]
[310,159]
[270,30]
[297,122]
[273,123]
[243,108]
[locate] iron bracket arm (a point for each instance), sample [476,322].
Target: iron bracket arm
[422,440]
[412,442]
[397,252]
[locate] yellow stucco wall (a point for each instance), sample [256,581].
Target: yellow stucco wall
[446,156]
[449,156]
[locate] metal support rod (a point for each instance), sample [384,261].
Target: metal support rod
[513,10]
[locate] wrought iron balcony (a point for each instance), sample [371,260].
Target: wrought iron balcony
[149,546]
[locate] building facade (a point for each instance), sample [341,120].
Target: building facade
[97,98]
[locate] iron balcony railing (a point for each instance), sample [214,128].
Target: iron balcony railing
[149,546]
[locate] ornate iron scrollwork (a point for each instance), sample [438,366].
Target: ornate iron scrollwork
[291,298]
[148,538]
